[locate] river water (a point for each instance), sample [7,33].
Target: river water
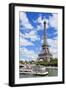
[51,72]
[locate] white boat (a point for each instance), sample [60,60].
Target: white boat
[41,74]
[34,70]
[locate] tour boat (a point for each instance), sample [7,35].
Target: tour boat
[34,70]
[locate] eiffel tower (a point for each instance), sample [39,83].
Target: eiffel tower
[45,53]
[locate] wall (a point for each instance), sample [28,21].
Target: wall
[4,44]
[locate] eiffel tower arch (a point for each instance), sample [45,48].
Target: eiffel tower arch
[45,53]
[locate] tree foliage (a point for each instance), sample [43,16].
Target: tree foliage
[53,62]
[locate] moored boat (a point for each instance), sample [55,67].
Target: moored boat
[34,70]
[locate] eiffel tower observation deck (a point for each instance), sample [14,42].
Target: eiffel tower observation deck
[45,53]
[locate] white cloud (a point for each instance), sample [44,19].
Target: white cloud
[28,54]
[25,42]
[53,21]
[39,20]
[32,35]
[24,21]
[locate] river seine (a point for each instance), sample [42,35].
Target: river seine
[51,72]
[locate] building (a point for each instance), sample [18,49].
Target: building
[45,53]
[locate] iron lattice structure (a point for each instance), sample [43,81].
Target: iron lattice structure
[45,53]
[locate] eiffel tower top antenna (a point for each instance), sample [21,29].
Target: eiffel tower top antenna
[44,25]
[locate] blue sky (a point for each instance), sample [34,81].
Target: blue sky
[31,33]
